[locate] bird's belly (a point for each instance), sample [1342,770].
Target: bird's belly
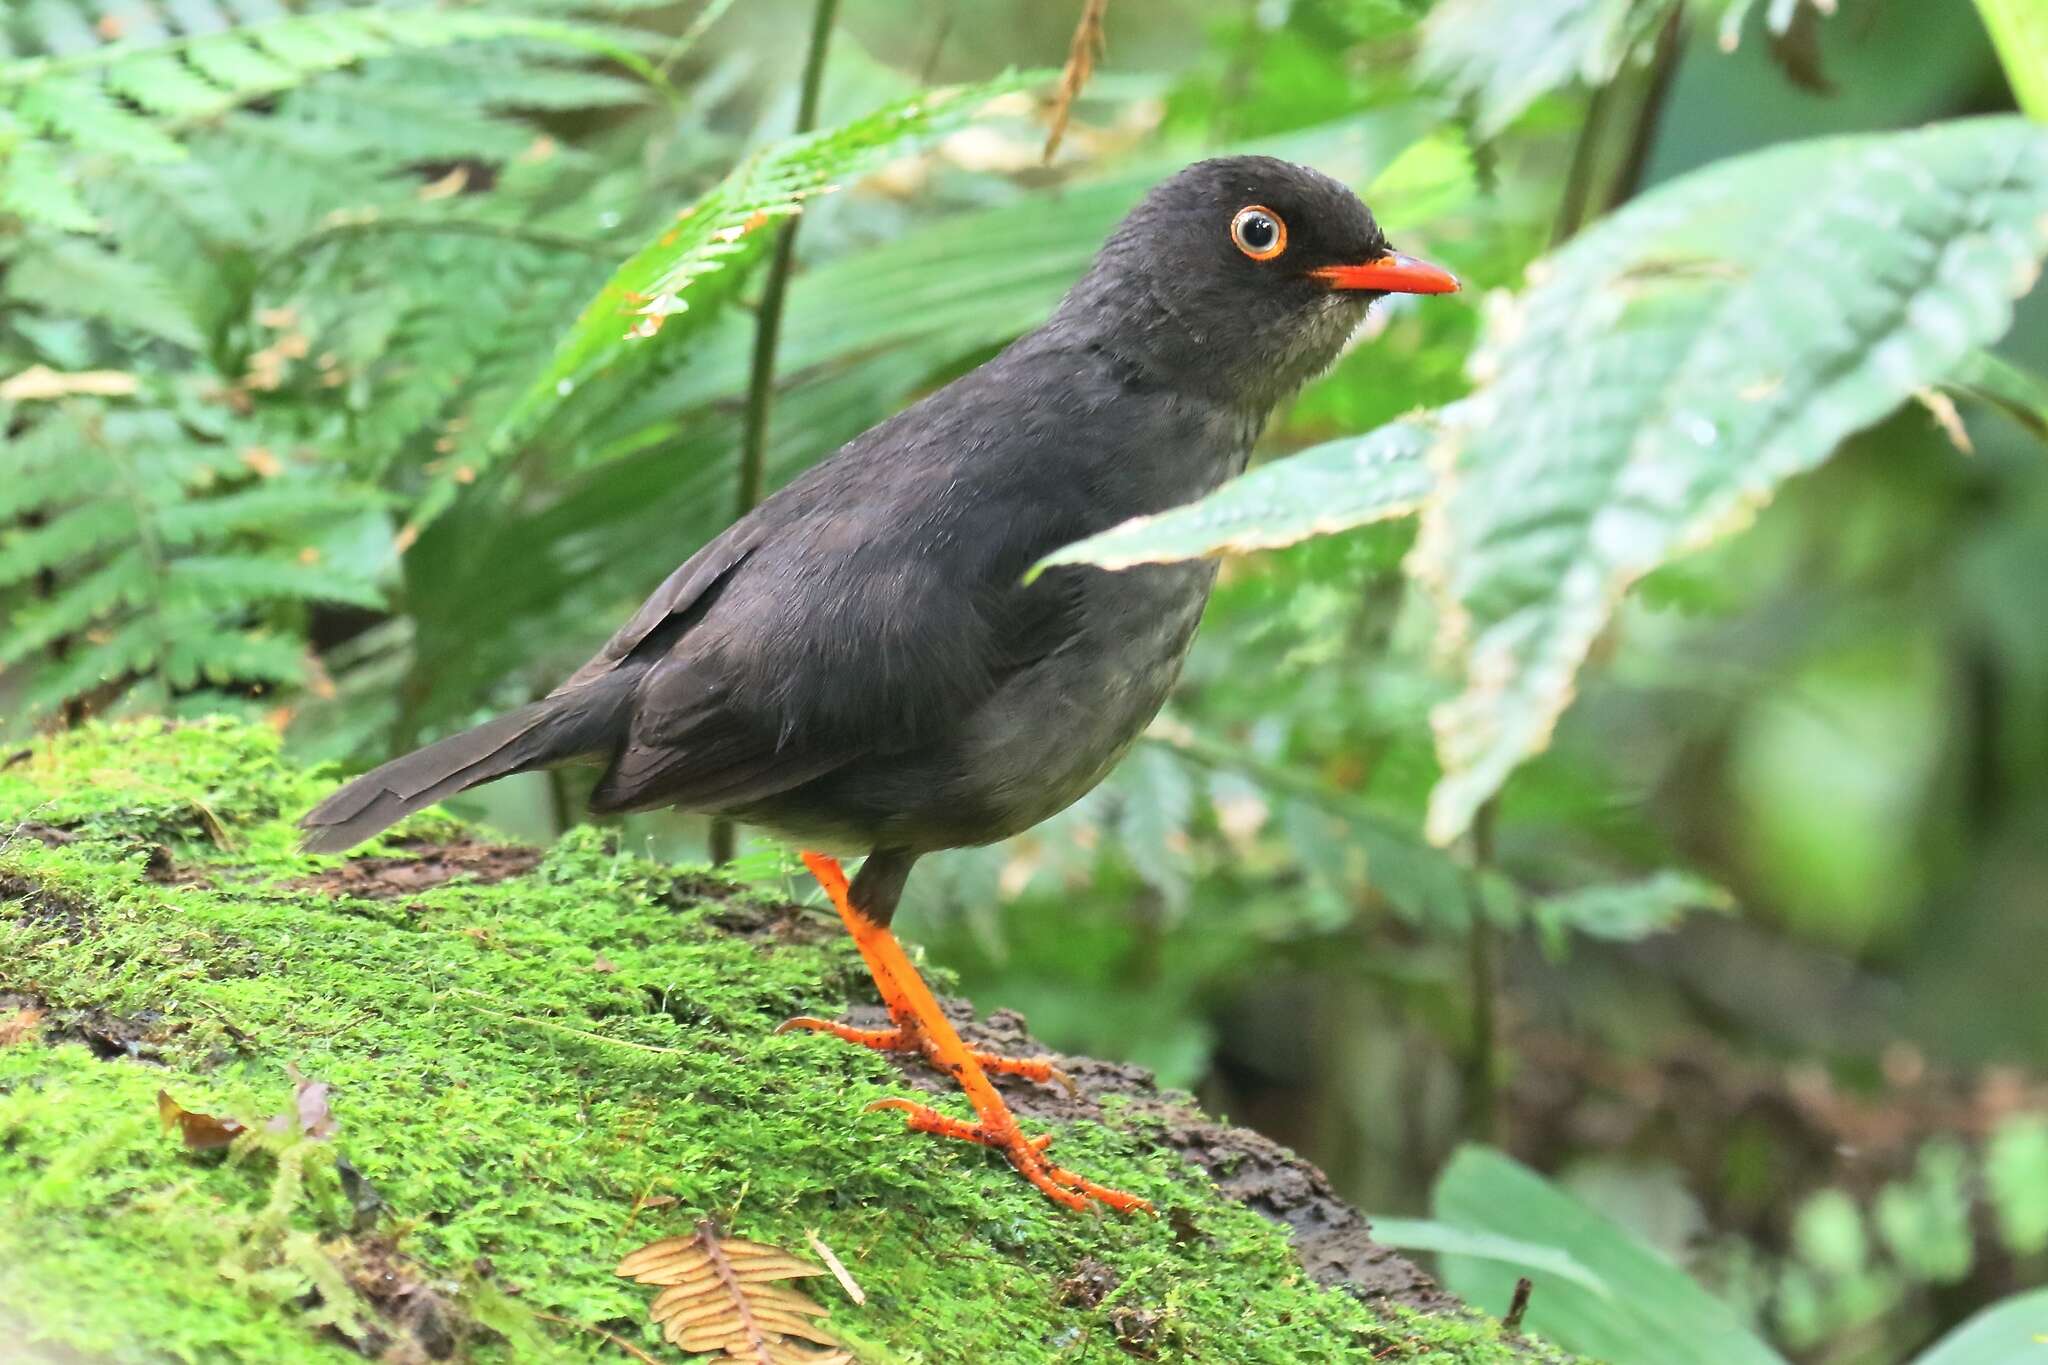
[1042,741]
[1061,726]
[1038,744]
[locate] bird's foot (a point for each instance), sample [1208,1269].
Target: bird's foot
[1027,1154]
[921,1025]
[907,1036]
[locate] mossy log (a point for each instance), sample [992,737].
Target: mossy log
[536,1062]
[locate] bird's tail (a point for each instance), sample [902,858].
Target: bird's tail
[589,719]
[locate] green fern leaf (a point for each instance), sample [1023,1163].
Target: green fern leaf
[123,581]
[162,555]
[162,84]
[80,112]
[665,294]
[196,520]
[228,581]
[65,102]
[231,61]
[64,540]
[132,650]
[196,656]
[35,184]
[74,277]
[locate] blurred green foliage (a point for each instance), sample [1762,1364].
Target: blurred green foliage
[1747,955]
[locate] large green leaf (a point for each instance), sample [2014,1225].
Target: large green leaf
[1623,912]
[2019,29]
[1501,55]
[1651,1312]
[1664,372]
[665,293]
[1446,1239]
[2020,394]
[1331,487]
[2011,1332]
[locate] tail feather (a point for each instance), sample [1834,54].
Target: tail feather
[585,720]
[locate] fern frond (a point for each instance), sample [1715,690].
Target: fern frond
[123,581]
[114,658]
[158,554]
[76,277]
[222,657]
[162,83]
[34,185]
[64,540]
[675,285]
[101,100]
[81,113]
[228,582]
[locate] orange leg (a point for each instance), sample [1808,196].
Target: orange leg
[920,1024]
[909,1036]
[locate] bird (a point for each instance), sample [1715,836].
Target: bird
[859,666]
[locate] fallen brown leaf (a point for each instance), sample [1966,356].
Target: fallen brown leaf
[41,383]
[448,186]
[309,1112]
[720,1295]
[20,1025]
[202,1132]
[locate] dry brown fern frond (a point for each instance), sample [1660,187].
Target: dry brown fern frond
[1088,45]
[721,1294]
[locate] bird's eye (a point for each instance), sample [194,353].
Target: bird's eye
[1258,232]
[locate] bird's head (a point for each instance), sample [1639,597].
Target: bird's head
[1245,275]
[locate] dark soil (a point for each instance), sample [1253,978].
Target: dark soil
[393,878]
[112,1037]
[416,1318]
[39,904]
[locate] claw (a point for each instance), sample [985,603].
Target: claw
[923,1028]
[1027,1154]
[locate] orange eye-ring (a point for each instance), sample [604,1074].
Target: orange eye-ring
[1259,232]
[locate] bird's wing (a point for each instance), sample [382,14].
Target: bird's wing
[669,610]
[863,615]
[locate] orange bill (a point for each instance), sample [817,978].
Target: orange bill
[1392,273]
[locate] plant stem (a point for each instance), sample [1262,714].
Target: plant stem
[1578,179]
[768,331]
[1643,136]
[1482,949]
[689,37]
[931,56]
[1587,192]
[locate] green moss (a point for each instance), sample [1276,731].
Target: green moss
[510,1101]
